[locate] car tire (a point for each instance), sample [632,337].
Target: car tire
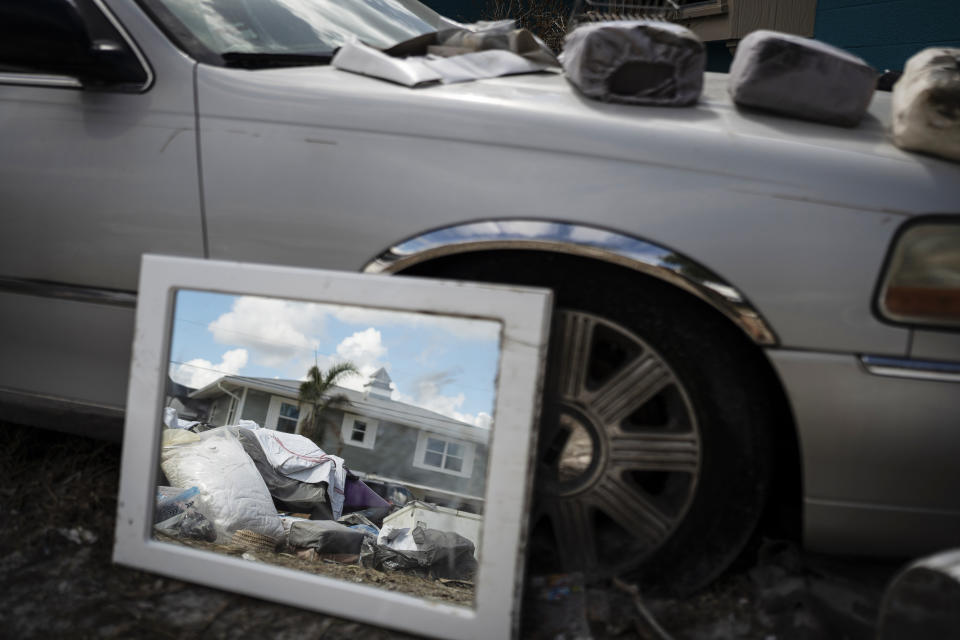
[655,445]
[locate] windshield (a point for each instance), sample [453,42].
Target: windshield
[299,27]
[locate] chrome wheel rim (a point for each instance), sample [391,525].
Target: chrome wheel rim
[619,453]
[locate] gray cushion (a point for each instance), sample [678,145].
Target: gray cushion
[636,62]
[801,78]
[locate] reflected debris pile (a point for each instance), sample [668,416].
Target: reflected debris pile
[271,496]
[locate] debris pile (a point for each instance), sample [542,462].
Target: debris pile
[273,496]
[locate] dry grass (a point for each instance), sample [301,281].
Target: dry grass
[551,19]
[545,18]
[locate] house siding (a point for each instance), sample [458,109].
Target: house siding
[401,443]
[887,32]
[392,455]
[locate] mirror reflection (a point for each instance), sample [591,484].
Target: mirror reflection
[339,440]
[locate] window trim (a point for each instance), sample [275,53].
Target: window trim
[469,451]
[369,436]
[280,416]
[273,416]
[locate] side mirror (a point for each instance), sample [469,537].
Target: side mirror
[54,37]
[112,65]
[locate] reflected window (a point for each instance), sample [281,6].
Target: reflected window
[443,454]
[288,418]
[358,431]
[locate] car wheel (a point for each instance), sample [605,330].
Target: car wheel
[653,446]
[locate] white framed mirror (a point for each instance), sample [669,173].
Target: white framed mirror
[358,445]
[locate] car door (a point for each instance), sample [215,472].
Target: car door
[92,175]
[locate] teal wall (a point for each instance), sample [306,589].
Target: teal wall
[461,10]
[887,32]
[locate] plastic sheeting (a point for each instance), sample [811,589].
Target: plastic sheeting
[441,554]
[232,494]
[420,70]
[467,52]
[802,78]
[926,104]
[297,457]
[397,538]
[636,62]
[288,493]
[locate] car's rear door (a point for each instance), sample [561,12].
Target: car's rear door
[92,179]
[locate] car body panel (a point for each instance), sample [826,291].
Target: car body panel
[124,165]
[876,530]
[873,445]
[320,168]
[432,160]
[935,345]
[72,350]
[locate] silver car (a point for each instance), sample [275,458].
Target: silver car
[756,316]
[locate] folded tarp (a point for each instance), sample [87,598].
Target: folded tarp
[635,62]
[802,78]
[466,52]
[926,104]
[288,493]
[415,71]
[484,36]
[297,457]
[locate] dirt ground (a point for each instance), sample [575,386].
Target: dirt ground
[341,568]
[57,509]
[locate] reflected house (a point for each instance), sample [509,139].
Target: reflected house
[441,460]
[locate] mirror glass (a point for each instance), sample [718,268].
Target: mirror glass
[345,441]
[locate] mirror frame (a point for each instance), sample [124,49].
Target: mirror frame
[524,314]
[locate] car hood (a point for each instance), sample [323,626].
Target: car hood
[797,159]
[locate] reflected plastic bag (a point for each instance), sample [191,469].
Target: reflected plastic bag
[172,501]
[188,524]
[232,494]
[440,554]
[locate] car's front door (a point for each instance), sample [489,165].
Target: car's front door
[91,177]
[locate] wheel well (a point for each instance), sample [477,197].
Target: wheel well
[782,515]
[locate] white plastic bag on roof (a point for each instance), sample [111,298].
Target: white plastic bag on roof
[232,494]
[926,104]
[636,62]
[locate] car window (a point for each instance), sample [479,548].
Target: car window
[55,36]
[310,27]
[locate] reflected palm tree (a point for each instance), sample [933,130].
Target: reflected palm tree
[315,393]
